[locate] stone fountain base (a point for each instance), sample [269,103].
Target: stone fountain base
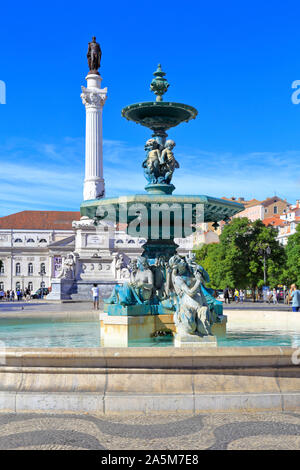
[123,326]
[192,341]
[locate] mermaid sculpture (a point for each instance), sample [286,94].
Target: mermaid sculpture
[140,288]
[193,315]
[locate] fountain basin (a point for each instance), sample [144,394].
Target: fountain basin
[145,380]
[159,115]
[121,209]
[148,379]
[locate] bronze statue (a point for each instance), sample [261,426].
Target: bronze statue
[94,56]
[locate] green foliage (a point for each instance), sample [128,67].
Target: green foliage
[238,260]
[293,258]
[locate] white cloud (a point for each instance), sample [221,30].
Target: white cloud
[49,175]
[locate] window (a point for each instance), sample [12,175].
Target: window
[119,241]
[266,210]
[30,240]
[2,268]
[30,269]
[275,210]
[43,284]
[18,240]
[18,285]
[30,286]
[130,241]
[1,285]
[43,240]
[18,268]
[43,268]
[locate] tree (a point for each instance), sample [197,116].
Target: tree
[293,258]
[209,257]
[238,260]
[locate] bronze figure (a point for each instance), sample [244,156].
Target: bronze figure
[94,56]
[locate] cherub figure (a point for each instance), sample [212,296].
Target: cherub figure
[152,161]
[168,161]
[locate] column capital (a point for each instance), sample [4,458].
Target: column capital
[93,97]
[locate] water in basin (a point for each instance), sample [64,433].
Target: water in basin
[82,334]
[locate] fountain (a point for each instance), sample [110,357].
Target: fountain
[68,371]
[162,283]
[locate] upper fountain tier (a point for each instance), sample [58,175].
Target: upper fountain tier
[159,115]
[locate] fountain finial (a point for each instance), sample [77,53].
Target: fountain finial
[159,84]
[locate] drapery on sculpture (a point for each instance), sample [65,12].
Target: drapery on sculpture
[177,284]
[160,163]
[94,56]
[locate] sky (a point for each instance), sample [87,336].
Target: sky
[234,61]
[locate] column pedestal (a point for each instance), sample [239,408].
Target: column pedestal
[93,97]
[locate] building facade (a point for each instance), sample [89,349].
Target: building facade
[25,246]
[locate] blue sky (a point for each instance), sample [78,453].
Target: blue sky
[234,61]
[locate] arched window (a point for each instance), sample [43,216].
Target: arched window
[142,241]
[18,268]
[43,268]
[30,240]
[30,269]
[130,241]
[18,240]
[119,241]
[43,240]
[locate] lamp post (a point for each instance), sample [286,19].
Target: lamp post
[265,250]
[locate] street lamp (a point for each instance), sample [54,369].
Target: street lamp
[265,251]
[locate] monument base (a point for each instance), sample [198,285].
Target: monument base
[61,289]
[191,341]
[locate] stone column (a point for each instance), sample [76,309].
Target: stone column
[93,97]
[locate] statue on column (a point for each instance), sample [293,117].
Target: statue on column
[94,56]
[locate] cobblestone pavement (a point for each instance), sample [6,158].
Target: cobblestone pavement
[164,431]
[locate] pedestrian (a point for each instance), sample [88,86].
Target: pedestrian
[295,295]
[226,295]
[2,294]
[18,294]
[27,294]
[12,295]
[95,293]
[236,295]
[242,296]
[287,297]
[274,296]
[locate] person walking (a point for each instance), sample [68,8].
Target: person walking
[226,295]
[295,295]
[12,295]
[95,293]
[19,294]
[242,296]
[236,295]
